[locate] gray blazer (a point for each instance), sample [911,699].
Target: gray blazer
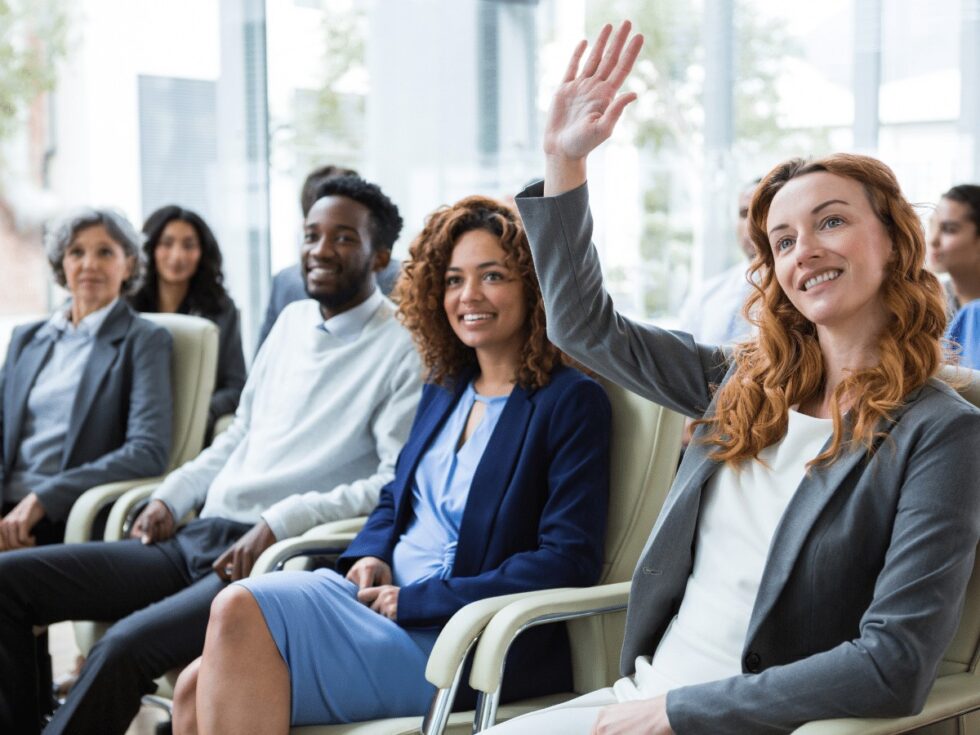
[864,583]
[120,421]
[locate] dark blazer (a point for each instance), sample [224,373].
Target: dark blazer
[535,516]
[120,421]
[866,574]
[231,374]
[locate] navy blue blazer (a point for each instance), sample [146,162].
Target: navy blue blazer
[535,516]
[120,421]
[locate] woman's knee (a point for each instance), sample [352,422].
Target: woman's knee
[234,610]
[185,700]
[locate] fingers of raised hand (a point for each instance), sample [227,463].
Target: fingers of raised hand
[611,57]
[572,71]
[624,63]
[595,56]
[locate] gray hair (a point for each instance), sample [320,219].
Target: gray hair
[61,235]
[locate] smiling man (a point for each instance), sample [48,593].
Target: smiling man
[324,413]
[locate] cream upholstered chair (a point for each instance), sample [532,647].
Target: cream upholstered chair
[193,367]
[645,447]
[952,708]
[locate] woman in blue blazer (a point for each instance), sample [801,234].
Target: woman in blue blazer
[502,487]
[85,395]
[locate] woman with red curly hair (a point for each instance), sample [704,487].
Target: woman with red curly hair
[502,487]
[811,559]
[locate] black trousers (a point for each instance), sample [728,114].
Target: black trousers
[160,596]
[45,532]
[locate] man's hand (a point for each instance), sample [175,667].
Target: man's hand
[646,717]
[237,562]
[155,523]
[383,600]
[370,571]
[15,529]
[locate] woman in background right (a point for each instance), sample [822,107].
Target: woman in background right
[954,248]
[812,556]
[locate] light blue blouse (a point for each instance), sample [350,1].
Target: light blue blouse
[439,492]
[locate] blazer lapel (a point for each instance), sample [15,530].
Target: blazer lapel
[419,440]
[811,497]
[104,351]
[18,388]
[491,480]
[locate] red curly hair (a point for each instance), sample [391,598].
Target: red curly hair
[422,286]
[784,366]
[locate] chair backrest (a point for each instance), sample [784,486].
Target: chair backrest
[193,368]
[963,653]
[646,443]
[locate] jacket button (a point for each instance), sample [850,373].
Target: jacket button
[753,662]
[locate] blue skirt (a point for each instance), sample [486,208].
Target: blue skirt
[346,662]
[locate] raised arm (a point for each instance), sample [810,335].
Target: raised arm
[666,367]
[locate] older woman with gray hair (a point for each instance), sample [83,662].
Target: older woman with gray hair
[84,395]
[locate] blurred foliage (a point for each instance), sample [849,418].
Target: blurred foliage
[33,38]
[329,122]
[666,122]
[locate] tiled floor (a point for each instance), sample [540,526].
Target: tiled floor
[63,653]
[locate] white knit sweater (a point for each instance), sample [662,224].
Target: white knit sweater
[318,429]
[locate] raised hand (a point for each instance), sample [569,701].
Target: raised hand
[586,107]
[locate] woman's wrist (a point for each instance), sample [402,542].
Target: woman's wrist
[563,174]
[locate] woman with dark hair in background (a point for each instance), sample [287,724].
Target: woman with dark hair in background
[183,276]
[954,248]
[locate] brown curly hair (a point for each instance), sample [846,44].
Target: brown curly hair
[422,285]
[784,365]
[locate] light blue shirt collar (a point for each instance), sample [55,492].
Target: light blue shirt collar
[348,325]
[60,322]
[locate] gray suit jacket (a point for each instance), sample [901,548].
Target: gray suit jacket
[120,421]
[864,583]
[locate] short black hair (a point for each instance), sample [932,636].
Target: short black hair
[386,222]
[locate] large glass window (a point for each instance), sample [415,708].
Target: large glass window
[437,99]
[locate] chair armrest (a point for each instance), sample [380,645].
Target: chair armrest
[328,538]
[282,551]
[85,510]
[951,696]
[122,507]
[538,608]
[457,636]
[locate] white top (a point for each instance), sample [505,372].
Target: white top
[318,429]
[713,313]
[740,510]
